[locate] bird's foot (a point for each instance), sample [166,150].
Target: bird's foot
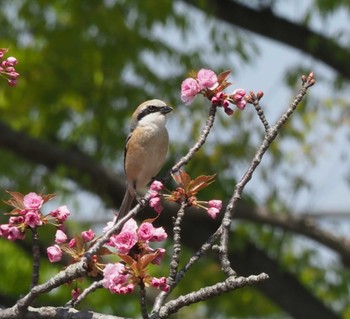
[141,200]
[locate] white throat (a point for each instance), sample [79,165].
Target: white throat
[154,119]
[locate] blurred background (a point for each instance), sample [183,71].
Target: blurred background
[86,65]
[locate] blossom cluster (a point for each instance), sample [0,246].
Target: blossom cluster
[76,247]
[207,83]
[187,190]
[26,214]
[7,68]
[213,207]
[132,246]
[155,198]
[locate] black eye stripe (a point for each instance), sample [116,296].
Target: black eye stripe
[148,110]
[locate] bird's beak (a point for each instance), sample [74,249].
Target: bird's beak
[166,109]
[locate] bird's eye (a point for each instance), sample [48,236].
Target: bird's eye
[152,108]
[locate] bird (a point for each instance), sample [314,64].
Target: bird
[145,150]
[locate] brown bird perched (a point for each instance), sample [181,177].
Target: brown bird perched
[145,150]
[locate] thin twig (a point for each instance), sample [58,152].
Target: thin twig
[36,258]
[172,279]
[270,136]
[70,273]
[254,99]
[230,284]
[143,300]
[174,263]
[223,231]
[93,287]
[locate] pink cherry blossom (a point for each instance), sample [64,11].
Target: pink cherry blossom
[2,52]
[220,99]
[145,231]
[54,253]
[189,89]
[241,104]
[160,283]
[4,230]
[32,201]
[155,203]
[60,237]
[11,82]
[215,203]
[124,289]
[32,219]
[130,225]
[124,241]
[61,213]
[158,259]
[238,93]
[75,293]
[214,208]
[16,220]
[158,234]
[11,61]
[228,111]
[115,278]
[207,79]
[88,235]
[156,186]
[238,98]
[14,233]
[7,69]
[72,243]
[11,232]
[213,212]
[109,225]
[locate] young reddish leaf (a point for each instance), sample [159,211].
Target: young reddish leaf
[201,182]
[150,220]
[223,86]
[47,197]
[130,261]
[147,259]
[223,76]
[16,201]
[79,244]
[104,251]
[183,179]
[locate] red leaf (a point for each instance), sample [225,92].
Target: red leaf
[16,201]
[130,261]
[47,197]
[182,179]
[147,259]
[104,251]
[201,182]
[223,76]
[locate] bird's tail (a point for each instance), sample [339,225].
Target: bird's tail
[125,206]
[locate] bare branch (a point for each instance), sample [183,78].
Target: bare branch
[54,313]
[93,287]
[36,257]
[230,284]
[71,272]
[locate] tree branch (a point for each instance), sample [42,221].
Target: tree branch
[102,180]
[264,22]
[230,284]
[55,313]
